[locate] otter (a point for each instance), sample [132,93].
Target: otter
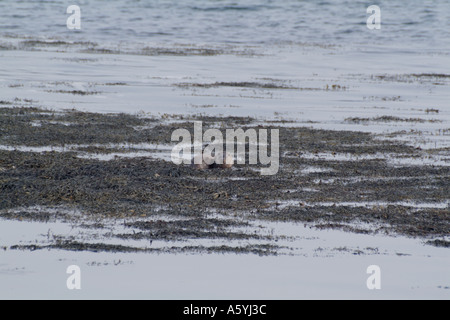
[207,162]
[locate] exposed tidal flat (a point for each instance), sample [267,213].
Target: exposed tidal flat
[117,167]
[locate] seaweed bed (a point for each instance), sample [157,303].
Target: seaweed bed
[364,189]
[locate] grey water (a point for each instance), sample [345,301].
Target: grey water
[406,25]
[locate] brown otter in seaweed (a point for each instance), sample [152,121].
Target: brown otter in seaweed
[207,162]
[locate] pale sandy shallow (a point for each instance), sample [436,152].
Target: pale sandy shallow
[317,267]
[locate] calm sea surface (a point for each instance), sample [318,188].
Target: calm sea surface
[407,25]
